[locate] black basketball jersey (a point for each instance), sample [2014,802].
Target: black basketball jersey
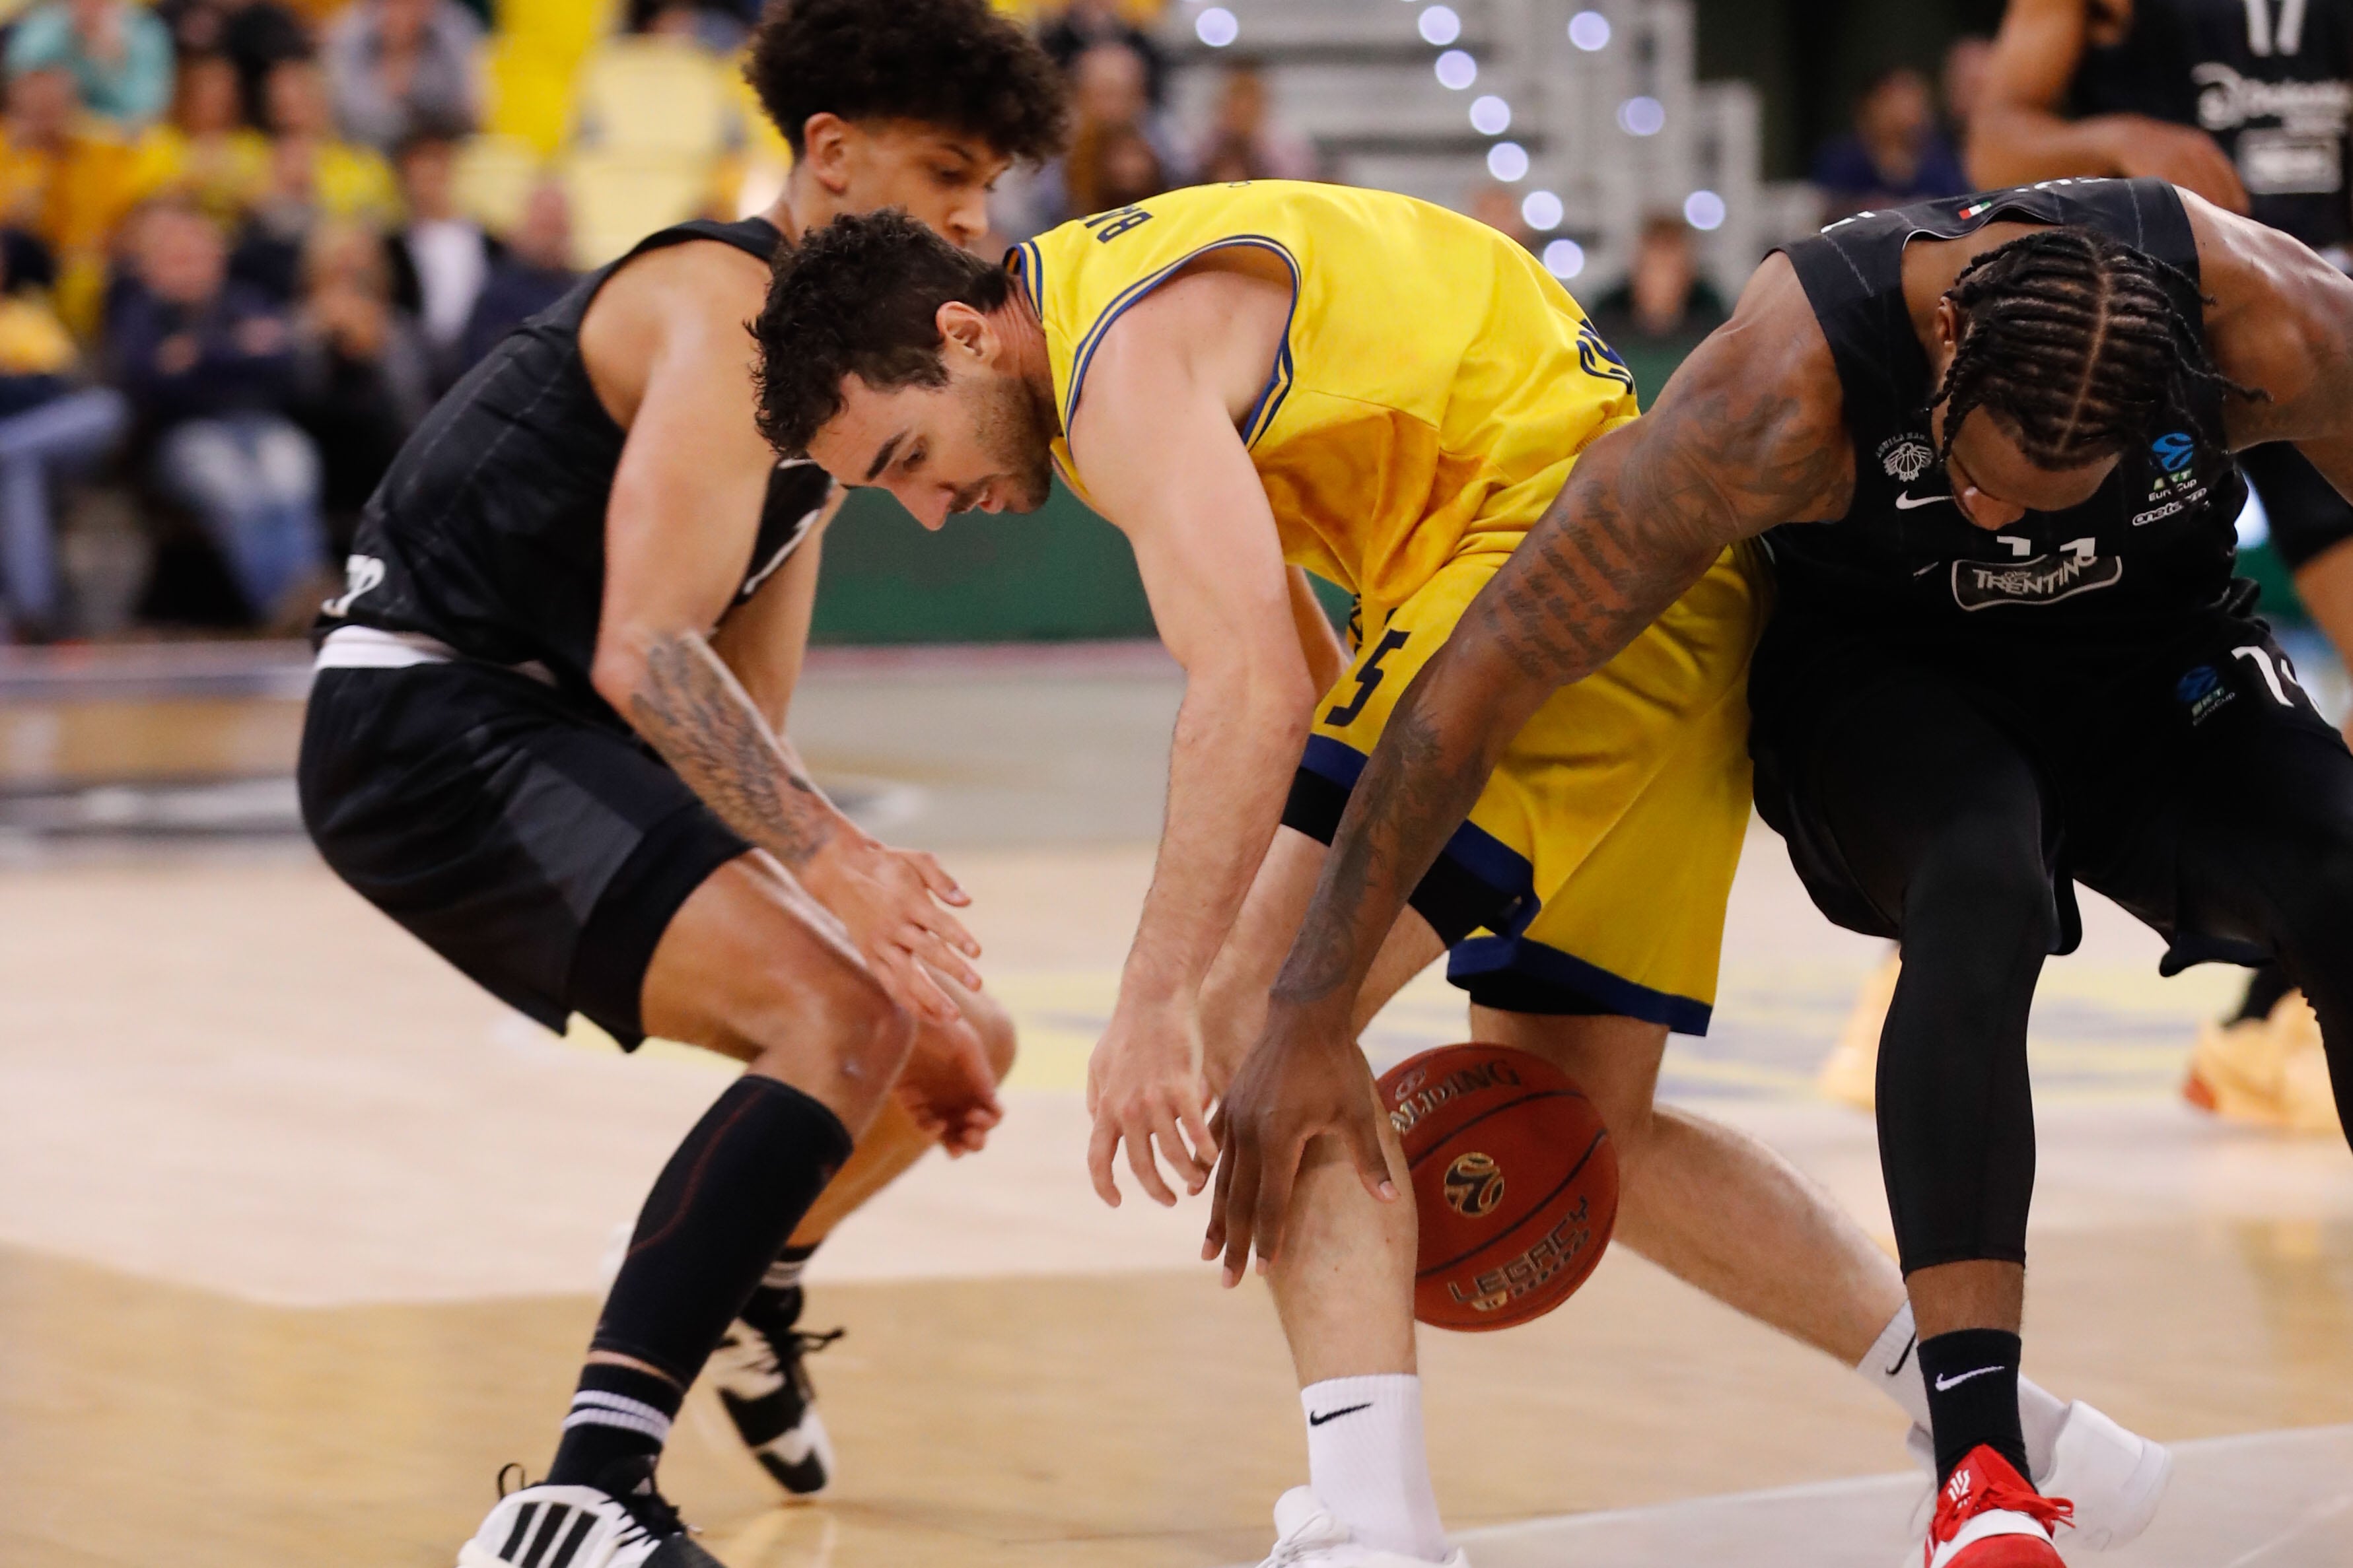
[488,534]
[2157,542]
[2272,81]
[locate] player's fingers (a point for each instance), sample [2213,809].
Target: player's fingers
[1100,1150]
[1138,1132]
[1372,1161]
[1274,1200]
[1205,1144]
[1213,1240]
[1240,1206]
[948,929]
[943,886]
[910,984]
[937,950]
[1183,1163]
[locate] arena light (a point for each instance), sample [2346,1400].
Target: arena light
[1642,117]
[1564,258]
[1703,210]
[1507,160]
[1490,116]
[1457,70]
[1440,24]
[1589,31]
[1217,28]
[1542,211]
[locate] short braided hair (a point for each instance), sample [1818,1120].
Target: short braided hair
[2080,343]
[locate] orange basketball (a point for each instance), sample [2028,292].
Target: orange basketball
[1514,1179]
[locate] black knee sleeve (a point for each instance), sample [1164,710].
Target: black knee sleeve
[717,1216]
[1956,1110]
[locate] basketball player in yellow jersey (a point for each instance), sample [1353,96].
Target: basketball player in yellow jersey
[1252,380]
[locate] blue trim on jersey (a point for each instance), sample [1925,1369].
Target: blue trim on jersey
[1278,383]
[1472,848]
[1030,267]
[1483,955]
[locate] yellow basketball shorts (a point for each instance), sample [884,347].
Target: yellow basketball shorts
[1592,875]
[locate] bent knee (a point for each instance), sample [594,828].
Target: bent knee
[998,1039]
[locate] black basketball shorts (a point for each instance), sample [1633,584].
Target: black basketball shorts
[521,835]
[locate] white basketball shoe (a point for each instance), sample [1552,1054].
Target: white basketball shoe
[2115,1478]
[621,1522]
[1308,1536]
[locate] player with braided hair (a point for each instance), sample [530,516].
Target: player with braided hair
[1988,443]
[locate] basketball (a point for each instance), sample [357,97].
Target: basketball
[1515,1178]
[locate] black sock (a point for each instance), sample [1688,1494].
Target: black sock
[1972,1378]
[715,1221]
[776,1305]
[2265,986]
[619,1413]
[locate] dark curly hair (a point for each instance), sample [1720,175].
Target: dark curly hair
[2086,347]
[860,297]
[952,63]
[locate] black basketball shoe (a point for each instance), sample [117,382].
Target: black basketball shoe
[760,1373]
[621,1522]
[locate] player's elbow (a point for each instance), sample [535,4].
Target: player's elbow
[618,669]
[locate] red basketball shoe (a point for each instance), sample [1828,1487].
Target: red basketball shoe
[1987,1517]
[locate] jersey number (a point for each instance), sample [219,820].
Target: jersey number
[2263,38]
[2274,671]
[1368,680]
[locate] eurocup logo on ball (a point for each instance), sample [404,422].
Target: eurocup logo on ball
[1474,1184]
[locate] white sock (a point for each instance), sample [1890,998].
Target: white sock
[1367,1464]
[1892,1367]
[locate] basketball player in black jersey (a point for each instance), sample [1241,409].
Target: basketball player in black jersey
[2249,103]
[547,737]
[1988,445]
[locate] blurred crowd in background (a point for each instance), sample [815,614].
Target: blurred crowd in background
[245,244]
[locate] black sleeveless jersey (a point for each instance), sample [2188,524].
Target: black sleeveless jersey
[488,534]
[2272,81]
[2157,540]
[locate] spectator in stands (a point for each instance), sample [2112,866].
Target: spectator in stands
[50,426]
[397,65]
[255,34]
[534,272]
[209,366]
[720,29]
[1895,154]
[68,180]
[1243,142]
[440,257]
[1963,81]
[362,372]
[118,55]
[1663,308]
[204,150]
[1117,148]
[314,176]
[1498,207]
[1086,24]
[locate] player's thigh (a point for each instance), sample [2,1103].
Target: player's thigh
[753,967]
[1614,1059]
[2267,829]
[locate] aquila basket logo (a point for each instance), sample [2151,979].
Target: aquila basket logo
[1905,457]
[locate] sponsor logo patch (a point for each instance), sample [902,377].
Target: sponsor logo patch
[2202,691]
[2046,580]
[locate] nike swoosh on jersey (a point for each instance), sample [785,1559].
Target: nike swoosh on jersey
[1907,501]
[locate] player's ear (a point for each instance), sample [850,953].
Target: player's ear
[965,330]
[1948,325]
[826,147]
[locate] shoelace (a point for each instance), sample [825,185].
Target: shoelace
[1998,1495]
[800,1344]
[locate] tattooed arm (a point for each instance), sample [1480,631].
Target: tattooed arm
[664,344]
[1749,433]
[2280,322]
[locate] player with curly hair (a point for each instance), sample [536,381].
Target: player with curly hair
[547,737]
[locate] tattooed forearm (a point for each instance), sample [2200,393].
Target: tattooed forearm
[1734,447]
[690,707]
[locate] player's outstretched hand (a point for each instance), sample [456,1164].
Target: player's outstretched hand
[892,901]
[949,1089]
[1299,1083]
[2182,155]
[1145,1085]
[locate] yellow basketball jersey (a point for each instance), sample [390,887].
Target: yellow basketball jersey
[1435,384]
